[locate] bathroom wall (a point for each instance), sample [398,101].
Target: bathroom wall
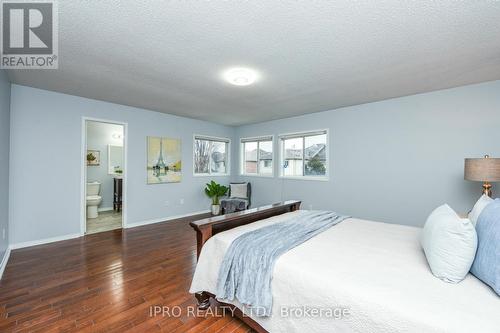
[99,136]
[394,160]
[4,161]
[46,129]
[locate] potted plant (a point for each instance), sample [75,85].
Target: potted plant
[215,191]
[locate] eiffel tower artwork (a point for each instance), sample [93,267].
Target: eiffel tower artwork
[164,160]
[160,168]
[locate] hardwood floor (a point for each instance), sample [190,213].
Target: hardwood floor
[108,282]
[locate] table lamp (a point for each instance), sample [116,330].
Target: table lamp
[484,170]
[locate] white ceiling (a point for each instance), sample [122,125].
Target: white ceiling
[312,55]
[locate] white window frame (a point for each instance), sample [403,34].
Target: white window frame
[257,139]
[228,156]
[304,134]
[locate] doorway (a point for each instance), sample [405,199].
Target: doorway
[104,163]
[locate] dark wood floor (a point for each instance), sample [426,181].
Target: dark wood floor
[107,282]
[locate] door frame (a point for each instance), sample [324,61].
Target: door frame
[83,164]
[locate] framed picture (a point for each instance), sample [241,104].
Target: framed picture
[164,160]
[93,157]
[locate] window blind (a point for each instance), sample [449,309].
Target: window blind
[209,138]
[260,138]
[301,135]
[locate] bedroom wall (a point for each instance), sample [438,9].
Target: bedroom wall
[46,130]
[394,160]
[4,161]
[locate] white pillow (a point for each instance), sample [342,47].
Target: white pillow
[478,208]
[239,190]
[449,243]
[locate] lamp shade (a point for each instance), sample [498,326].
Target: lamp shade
[482,169]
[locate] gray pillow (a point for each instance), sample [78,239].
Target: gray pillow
[239,190]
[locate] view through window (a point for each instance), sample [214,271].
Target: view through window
[257,156]
[211,156]
[304,155]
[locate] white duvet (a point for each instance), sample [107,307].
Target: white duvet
[377,271]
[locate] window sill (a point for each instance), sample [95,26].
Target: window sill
[319,179]
[256,175]
[211,174]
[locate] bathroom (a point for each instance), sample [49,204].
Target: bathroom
[104,176]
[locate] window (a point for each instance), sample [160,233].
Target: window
[257,156]
[211,156]
[304,155]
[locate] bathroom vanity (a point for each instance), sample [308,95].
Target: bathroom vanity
[117,193]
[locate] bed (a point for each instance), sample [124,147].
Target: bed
[377,271]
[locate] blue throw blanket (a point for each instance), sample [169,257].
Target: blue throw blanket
[247,268]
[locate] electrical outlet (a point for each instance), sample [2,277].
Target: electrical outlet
[310,207]
[167,203]
[3,233]
[182,201]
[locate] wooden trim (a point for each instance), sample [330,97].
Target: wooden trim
[211,226]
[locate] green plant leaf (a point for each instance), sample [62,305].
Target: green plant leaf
[214,191]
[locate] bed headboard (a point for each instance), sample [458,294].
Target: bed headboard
[208,227]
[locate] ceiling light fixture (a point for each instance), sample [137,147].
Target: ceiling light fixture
[116,136]
[240,76]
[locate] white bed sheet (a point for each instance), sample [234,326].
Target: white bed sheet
[376,270]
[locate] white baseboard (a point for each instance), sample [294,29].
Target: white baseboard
[71,236]
[43,241]
[163,219]
[5,259]
[104,209]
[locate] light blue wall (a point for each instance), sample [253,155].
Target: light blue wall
[4,160]
[394,160]
[45,162]
[99,137]
[391,161]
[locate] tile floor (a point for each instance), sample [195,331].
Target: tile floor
[108,220]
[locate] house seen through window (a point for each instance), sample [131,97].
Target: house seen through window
[257,156]
[304,155]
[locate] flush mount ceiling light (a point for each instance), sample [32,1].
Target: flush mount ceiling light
[240,76]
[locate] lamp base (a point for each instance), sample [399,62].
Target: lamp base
[487,189]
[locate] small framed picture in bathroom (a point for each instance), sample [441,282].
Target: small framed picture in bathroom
[93,157]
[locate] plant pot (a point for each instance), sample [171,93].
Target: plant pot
[215,209]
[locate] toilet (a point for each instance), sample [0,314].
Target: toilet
[93,199]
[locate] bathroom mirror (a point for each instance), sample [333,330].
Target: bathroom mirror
[115,160]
